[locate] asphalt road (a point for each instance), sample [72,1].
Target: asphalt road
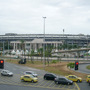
[14,83]
[13,87]
[82,68]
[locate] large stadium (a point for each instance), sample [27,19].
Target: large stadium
[35,41]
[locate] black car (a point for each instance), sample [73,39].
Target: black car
[49,76]
[63,80]
[22,61]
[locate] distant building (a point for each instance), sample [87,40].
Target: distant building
[35,41]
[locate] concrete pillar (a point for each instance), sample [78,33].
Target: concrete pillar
[30,47]
[46,45]
[40,45]
[14,46]
[19,47]
[54,45]
[25,46]
[35,48]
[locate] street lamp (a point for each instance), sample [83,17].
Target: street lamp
[44,44]
[63,39]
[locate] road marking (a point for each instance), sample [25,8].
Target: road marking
[37,86]
[50,84]
[46,83]
[15,80]
[42,82]
[77,86]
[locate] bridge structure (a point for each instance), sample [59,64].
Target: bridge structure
[75,53]
[73,50]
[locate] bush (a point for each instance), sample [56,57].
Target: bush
[71,65]
[88,67]
[54,61]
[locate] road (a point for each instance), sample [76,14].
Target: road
[14,83]
[82,68]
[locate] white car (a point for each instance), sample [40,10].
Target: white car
[6,73]
[30,73]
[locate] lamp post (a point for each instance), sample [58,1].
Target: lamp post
[87,47]
[63,39]
[3,48]
[44,44]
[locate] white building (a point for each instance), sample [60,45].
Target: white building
[34,44]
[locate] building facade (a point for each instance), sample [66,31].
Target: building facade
[36,41]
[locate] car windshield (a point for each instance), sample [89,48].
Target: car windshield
[8,71]
[33,72]
[75,76]
[54,75]
[66,79]
[30,72]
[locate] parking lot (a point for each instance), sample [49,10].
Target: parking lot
[15,80]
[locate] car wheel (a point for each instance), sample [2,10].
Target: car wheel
[32,81]
[1,74]
[56,82]
[45,78]
[89,84]
[78,80]
[22,80]
[68,83]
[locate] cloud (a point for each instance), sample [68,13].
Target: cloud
[25,16]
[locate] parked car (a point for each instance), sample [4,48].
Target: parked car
[6,73]
[88,78]
[49,76]
[29,78]
[30,73]
[22,61]
[63,80]
[74,78]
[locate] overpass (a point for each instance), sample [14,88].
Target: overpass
[74,50]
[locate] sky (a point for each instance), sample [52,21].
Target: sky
[26,16]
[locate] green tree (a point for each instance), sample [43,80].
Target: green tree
[23,46]
[32,54]
[40,52]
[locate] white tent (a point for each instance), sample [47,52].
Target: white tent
[18,52]
[13,52]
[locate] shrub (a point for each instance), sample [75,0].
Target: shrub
[54,61]
[71,65]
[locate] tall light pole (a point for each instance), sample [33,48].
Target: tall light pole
[87,47]
[44,44]
[63,39]
[3,48]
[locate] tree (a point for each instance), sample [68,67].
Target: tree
[40,52]
[48,53]
[22,46]
[32,53]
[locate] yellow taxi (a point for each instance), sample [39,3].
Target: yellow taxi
[29,78]
[88,78]
[74,78]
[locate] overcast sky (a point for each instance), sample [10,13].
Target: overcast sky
[26,16]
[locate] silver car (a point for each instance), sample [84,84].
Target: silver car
[30,73]
[6,73]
